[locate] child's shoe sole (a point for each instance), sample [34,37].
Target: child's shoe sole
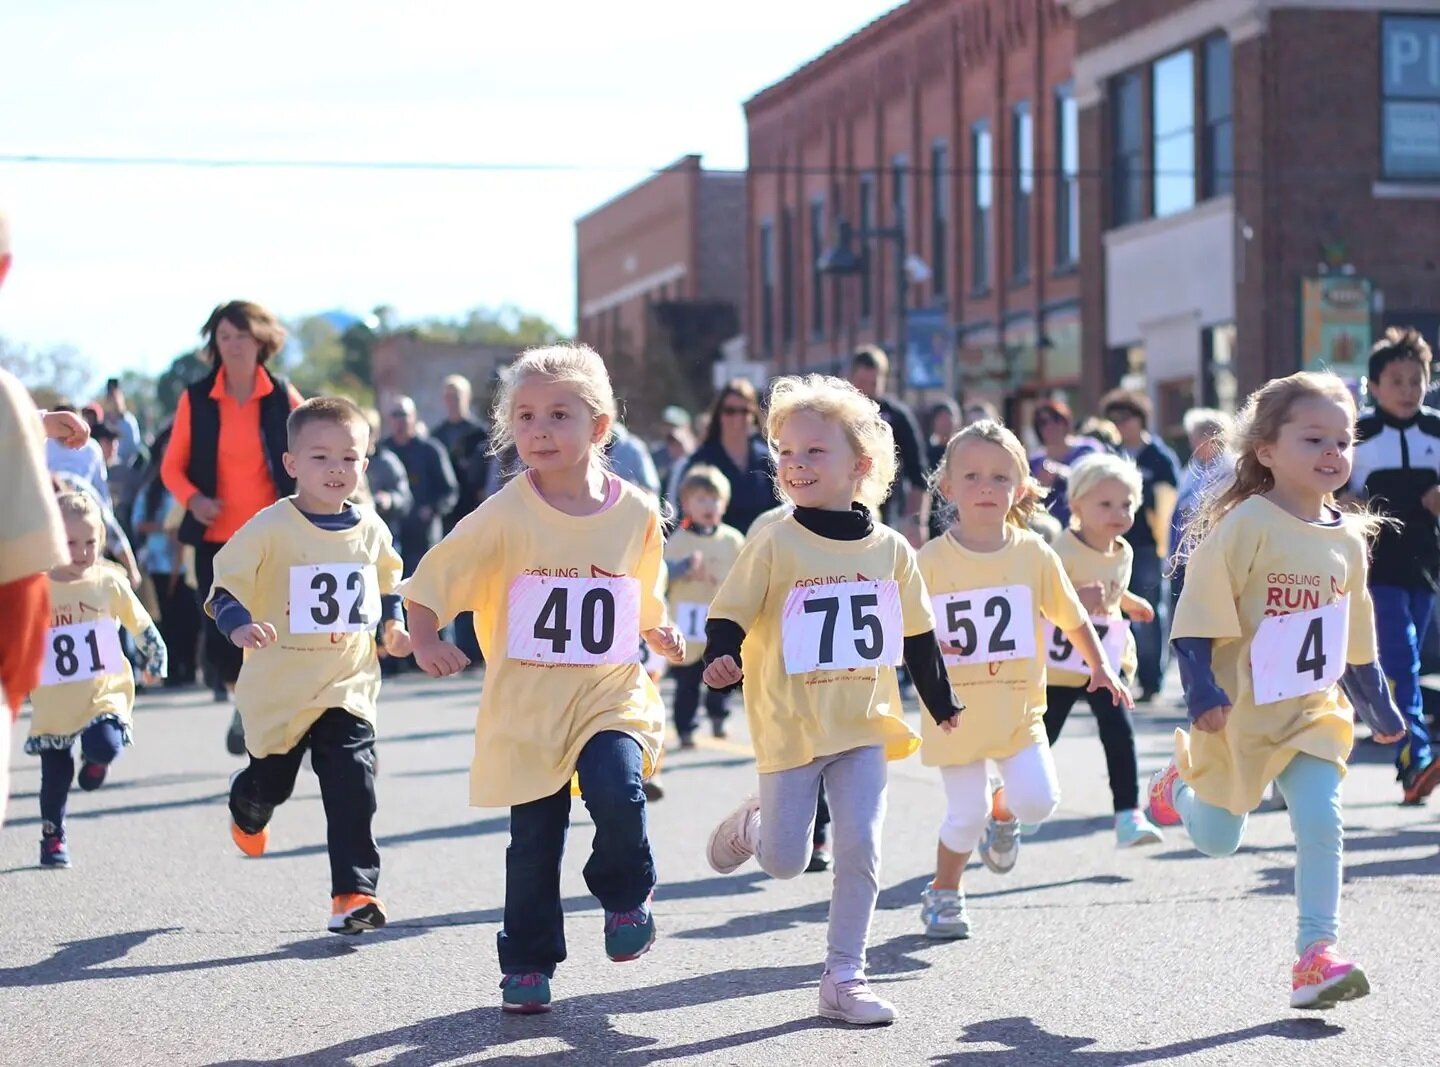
[1351,985]
[361,920]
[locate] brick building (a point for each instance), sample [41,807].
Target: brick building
[1266,187]
[660,282]
[407,362]
[958,117]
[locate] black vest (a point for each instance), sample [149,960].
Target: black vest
[205,443]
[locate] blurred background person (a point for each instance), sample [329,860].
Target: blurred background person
[1060,449]
[432,482]
[735,446]
[177,612]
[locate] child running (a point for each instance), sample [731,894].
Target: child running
[819,609]
[301,588]
[1105,492]
[699,555]
[997,589]
[87,689]
[563,570]
[1275,637]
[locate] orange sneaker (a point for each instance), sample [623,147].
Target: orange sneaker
[253,845]
[354,913]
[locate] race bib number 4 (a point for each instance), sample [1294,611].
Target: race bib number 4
[1295,655]
[82,651]
[333,598]
[842,627]
[582,621]
[690,619]
[1061,655]
[986,625]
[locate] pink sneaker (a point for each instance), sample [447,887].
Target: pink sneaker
[1322,978]
[1162,796]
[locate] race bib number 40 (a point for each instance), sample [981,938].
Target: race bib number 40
[1295,655]
[333,598]
[986,625]
[82,651]
[842,627]
[582,621]
[1061,655]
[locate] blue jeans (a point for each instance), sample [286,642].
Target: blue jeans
[1402,616]
[1311,788]
[100,742]
[1152,639]
[620,871]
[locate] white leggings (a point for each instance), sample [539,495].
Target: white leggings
[1032,794]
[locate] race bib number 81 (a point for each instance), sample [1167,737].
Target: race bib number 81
[842,627]
[333,598]
[986,625]
[82,651]
[1295,655]
[581,621]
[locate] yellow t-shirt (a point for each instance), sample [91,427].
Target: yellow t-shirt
[62,710]
[32,536]
[1084,565]
[766,518]
[1004,699]
[286,686]
[1259,562]
[535,717]
[718,550]
[796,718]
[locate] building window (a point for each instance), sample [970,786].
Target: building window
[1127,196]
[1022,187]
[817,280]
[900,188]
[867,222]
[982,200]
[787,277]
[837,291]
[1410,110]
[939,219]
[1218,177]
[767,286]
[1173,111]
[1067,177]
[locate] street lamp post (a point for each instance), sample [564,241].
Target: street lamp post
[843,260]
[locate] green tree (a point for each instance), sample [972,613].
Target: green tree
[186,369]
[53,375]
[505,325]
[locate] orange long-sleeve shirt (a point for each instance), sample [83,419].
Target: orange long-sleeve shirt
[242,479]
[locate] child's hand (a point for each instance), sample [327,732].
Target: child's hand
[253,635]
[666,641]
[66,427]
[1213,721]
[150,678]
[1092,597]
[1140,609]
[437,658]
[397,639]
[722,673]
[949,724]
[1388,739]
[1107,679]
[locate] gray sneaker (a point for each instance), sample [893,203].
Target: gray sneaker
[853,1001]
[944,915]
[1000,847]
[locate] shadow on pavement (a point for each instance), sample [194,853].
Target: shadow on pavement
[153,781]
[1280,881]
[77,814]
[1026,1043]
[478,828]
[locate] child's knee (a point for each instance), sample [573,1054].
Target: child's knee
[1035,804]
[784,863]
[101,746]
[1216,837]
[960,831]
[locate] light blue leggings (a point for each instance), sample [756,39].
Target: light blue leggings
[1311,788]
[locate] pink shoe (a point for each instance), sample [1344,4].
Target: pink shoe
[1322,978]
[1162,796]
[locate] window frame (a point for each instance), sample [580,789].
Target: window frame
[1134,175]
[1022,190]
[1387,98]
[982,251]
[1067,179]
[765,254]
[1163,182]
[939,218]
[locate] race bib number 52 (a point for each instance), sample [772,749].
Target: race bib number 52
[82,651]
[986,625]
[1295,655]
[580,621]
[333,598]
[842,627]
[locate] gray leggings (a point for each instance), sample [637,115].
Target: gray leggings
[855,782]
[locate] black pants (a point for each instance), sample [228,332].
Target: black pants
[100,742]
[687,698]
[1117,734]
[222,655]
[342,753]
[179,625]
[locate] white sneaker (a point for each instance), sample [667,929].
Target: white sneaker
[852,1001]
[736,838]
[1000,847]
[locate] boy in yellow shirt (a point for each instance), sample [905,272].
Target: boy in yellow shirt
[301,588]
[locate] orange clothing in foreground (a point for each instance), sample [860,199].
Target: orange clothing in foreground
[26,603]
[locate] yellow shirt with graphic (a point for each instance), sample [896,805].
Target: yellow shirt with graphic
[796,718]
[1084,565]
[286,686]
[1260,561]
[767,518]
[1004,699]
[535,718]
[62,711]
[718,550]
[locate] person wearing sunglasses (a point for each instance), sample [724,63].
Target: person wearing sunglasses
[734,445]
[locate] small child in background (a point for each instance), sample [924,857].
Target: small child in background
[87,689]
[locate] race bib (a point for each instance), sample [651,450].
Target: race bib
[583,621]
[1061,655]
[333,598]
[691,618]
[986,625]
[1294,655]
[842,627]
[82,651]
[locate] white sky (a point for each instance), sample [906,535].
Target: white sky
[126,262]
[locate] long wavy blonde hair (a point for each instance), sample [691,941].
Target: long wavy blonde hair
[858,416]
[578,366]
[1030,492]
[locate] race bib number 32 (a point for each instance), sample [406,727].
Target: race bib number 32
[986,625]
[580,621]
[82,651]
[842,627]
[333,598]
[1295,655]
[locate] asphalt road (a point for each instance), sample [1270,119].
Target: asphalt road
[163,945]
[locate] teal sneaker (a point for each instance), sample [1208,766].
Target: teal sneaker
[1133,828]
[629,934]
[944,915]
[525,994]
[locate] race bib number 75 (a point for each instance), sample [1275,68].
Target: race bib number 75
[579,621]
[843,626]
[82,651]
[1298,654]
